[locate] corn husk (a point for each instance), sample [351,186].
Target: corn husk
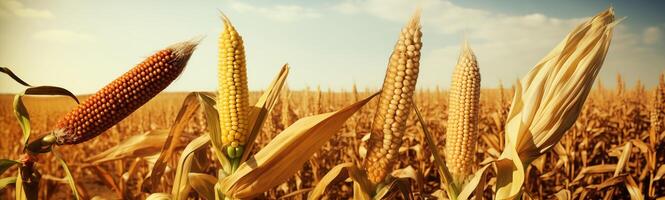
[549,98]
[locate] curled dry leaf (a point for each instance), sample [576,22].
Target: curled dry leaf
[181,187]
[336,174]
[145,144]
[204,184]
[564,195]
[286,153]
[549,98]
[159,196]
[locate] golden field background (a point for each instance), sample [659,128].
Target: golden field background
[584,162]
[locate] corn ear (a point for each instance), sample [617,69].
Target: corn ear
[462,129]
[233,94]
[395,102]
[124,95]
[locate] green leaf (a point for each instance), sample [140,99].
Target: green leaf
[20,191]
[23,118]
[6,181]
[68,174]
[444,173]
[6,164]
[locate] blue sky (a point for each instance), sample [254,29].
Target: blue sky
[83,45]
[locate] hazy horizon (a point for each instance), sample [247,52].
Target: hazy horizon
[332,44]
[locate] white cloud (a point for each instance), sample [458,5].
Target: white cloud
[507,45]
[63,36]
[282,13]
[652,35]
[16,8]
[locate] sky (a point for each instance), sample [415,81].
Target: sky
[84,45]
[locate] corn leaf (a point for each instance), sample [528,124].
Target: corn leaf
[141,145]
[68,175]
[38,90]
[564,195]
[6,181]
[212,120]
[625,155]
[204,184]
[6,164]
[159,196]
[475,185]
[361,189]
[50,90]
[444,173]
[260,110]
[286,153]
[595,169]
[181,186]
[218,192]
[633,189]
[19,108]
[410,173]
[13,76]
[19,193]
[334,175]
[189,107]
[23,118]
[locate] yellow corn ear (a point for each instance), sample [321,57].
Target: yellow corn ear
[394,102]
[233,94]
[462,130]
[124,95]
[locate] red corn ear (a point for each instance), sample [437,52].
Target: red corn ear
[124,95]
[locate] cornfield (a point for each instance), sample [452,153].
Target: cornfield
[583,163]
[196,146]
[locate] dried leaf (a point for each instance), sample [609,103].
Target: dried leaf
[181,187]
[444,173]
[212,120]
[263,106]
[68,175]
[189,107]
[141,145]
[204,184]
[633,189]
[286,153]
[476,184]
[564,195]
[159,196]
[334,175]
